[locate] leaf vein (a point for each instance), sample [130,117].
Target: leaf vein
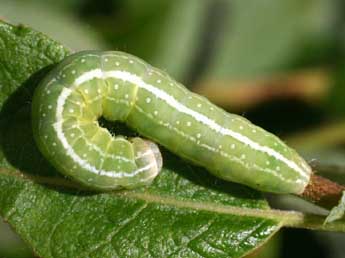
[111,235]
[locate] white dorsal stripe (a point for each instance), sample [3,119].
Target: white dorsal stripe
[170,100]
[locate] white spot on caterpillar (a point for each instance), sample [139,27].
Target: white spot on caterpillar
[54,143]
[155,112]
[233,146]
[267,162]
[199,105]
[148,100]
[71,110]
[198,135]
[50,106]
[83,60]
[48,92]
[117,63]
[86,91]
[159,81]
[243,156]
[131,61]
[44,114]
[189,123]
[278,168]
[241,127]
[220,146]
[73,72]
[126,96]
[116,86]
[99,91]
[72,135]
[106,60]
[254,131]
[178,122]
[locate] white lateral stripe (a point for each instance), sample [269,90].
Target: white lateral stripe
[70,152]
[96,73]
[224,154]
[170,100]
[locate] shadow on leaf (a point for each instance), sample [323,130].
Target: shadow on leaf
[16,136]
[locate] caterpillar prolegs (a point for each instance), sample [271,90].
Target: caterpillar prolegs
[120,87]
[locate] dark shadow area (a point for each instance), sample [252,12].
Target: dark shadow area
[117,128]
[302,243]
[16,136]
[103,8]
[285,116]
[22,97]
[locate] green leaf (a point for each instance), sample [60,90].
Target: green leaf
[169,38]
[52,17]
[266,36]
[338,211]
[185,213]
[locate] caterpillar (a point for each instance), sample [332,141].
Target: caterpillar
[120,87]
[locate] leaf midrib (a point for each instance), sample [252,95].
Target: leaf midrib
[283,218]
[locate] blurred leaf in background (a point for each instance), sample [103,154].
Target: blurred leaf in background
[164,33]
[266,37]
[11,246]
[53,20]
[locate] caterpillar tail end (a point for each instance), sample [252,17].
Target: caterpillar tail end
[148,158]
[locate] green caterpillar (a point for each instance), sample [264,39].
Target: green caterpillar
[120,87]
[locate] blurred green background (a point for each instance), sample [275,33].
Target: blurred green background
[279,63]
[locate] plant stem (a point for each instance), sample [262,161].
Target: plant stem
[323,192]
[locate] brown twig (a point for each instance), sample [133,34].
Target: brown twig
[323,192]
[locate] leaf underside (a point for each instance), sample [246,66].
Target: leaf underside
[185,213]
